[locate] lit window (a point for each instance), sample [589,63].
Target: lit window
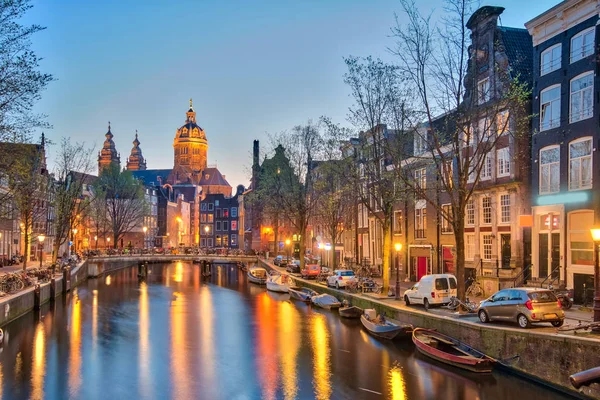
[233,212]
[580,164]
[503,162]
[420,220]
[421,181]
[234,225]
[446,218]
[582,44]
[469,246]
[471,212]
[505,209]
[483,91]
[551,59]
[550,170]
[550,108]
[486,210]
[582,97]
[398,222]
[503,122]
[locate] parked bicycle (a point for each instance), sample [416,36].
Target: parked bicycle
[468,305]
[474,289]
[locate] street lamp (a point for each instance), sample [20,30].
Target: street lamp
[96,240]
[145,229]
[41,239]
[75,239]
[108,241]
[596,237]
[398,247]
[327,248]
[320,247]
[287,243]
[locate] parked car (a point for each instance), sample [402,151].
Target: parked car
[431,289]
[524,306]
[277,260]
[293,267]
[310,271]
[341,278]
[285,261]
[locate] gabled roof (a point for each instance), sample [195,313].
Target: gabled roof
[88,179]
[152,175]
[212,176]
[518,46]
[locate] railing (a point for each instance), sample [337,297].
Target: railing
[520,278]
[552,276]
[479,267]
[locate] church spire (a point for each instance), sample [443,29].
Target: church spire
[108,154]
[136,161]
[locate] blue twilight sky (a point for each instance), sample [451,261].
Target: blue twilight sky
[252,67]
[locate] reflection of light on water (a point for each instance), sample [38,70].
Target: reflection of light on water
[179,367]
[206,335]
[39,363]
[267,364]
[364,336]
[94,320]
[289,344]
[178,272]
[397,383]
[320,344]
[75,345]
[144,349]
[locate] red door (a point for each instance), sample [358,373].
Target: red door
[421,267]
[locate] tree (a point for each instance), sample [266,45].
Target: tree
[73,164]
[21,83]
[440,73]
[375,88]
[124,199]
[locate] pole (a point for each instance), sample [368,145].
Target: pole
[596,286]
[41,254]
[397,275]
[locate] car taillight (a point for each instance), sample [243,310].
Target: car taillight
[433,295]
[340,278]
[559,305]
[529,305]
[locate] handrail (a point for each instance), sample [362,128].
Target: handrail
[480,267]
[521,275]
[551,275]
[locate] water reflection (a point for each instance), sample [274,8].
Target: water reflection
[321,365]
[267,363]
[289,345]
[397,383]
[179,368]
[144,348]
[207,344]
[39,362]
[75,344]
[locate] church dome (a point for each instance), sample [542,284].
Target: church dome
[191,129]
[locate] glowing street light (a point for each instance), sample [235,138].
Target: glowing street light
[41,239]
[287,243]
[145,229]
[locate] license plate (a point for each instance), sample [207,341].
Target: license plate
[550,316]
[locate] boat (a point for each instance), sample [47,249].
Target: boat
[257,275]
[351,312]
[384,329]
[585,378]
[326,301]
[278,283]
[451,351]
[301,293]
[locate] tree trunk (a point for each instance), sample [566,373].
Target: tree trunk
[26,249]
[275,236]
[302,245]
[460,262]
[387,248]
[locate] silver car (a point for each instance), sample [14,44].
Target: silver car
[524,306]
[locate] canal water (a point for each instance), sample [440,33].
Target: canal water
[180,336]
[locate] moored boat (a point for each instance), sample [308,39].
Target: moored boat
[278,283]
[351,312]
[451,351]
[384,329]
[257,275]
[326,301]
[301,293]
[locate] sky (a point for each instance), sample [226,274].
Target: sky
[253,68]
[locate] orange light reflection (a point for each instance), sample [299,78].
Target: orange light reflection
[179,367]
[144,349]
[38,372]
[75,345]
[267,364]
[321,368]
[289,345]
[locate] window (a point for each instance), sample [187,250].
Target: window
[503,162]
[202,217]
[503,122]
[582,98]
[484,130]
[202,242]
[580,164]
[471,212]
[218,213]
[505,208]
[582,45]
[225,240]
[550,108]
[234,212]
[486,247]
[469,246]
[421,181]
[234,225]
[218,241]
[210,218]
[580,240]
[420,144]
[486,210]
[483,91]
[550,170]
[486,170]
[551,59]
[216,203]
[233,239]
[218,228]
[210,206]
[398,222]
[448,173]
[420,220]
[225,225]
[225,213]
[446,218]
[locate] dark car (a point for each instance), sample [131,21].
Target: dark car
[293,267]
[285,261]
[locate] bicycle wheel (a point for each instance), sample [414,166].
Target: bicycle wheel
[477,291]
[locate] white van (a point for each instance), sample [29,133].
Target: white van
[431,289]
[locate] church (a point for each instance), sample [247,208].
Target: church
[182,191]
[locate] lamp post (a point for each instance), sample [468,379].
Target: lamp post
[145,229]
[320,247]
[596,238]
[398,247]
[96,240]
[75,239]
[108,241]
[41,239]
[206,229]
[287,243]
[327,248]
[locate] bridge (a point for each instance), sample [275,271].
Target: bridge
[167,258]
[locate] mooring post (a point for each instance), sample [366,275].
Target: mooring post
[37,298]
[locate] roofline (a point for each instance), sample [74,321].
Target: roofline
[546,15]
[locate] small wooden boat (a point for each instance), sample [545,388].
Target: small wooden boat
[257,275]
[384,329]
[326,301]
[301,293]
[278,283]
[585,378]
[351,312]
[451,351]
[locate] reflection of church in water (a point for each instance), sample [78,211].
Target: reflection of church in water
[181,189]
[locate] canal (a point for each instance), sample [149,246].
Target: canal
[180,336]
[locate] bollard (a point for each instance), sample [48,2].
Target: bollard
[66,279]
[52,288]
[37,297]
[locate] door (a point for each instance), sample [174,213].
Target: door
[421,267]
[555,254]
[543,248]
[581,282]
[505,243]
[497,310]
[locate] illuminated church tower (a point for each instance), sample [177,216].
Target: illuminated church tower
[190,144]
[135,161]
[108,154]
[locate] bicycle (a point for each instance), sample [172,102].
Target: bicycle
[474,289]
[455,303]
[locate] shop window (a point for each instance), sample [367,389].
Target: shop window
[580,239]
